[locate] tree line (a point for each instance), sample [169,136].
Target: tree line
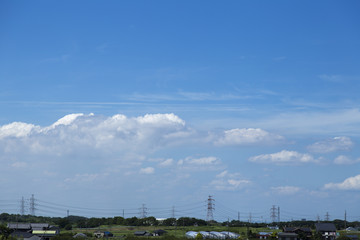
[84,222]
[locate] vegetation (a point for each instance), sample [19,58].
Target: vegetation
[124,228]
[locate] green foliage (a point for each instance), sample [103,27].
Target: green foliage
[68,227]
[343,237]
[199,236]
[5,232]
[317,236]
[62,222]
[273,235]
[63,236]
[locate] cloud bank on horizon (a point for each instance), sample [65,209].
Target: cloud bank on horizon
[86,151]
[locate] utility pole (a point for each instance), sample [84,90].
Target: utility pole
[210,208]
[123,213]
[239,216]
[173,212]
[345,220]
[67,213]
[278,216]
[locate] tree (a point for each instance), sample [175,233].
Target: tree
[5,232]
[199,236]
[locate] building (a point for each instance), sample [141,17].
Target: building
[302,232]
[288,236]
[33,231]
[327,230]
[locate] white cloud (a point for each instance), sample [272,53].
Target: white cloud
[226,181]
[148,170]
[80,132]
[16,129]
[68,119]
[331,145]
[331,78]
[202,161]
[246,136]
[85,177]
[286,190]
[167,162]
[283,157]
[161,119]
[201,164]
[351,183]
[19,165]
[344,160]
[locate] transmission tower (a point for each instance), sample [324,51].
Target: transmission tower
[327,216]
[210,208]
[278,215]
[273,214]
[143,211]
[22,206]
[32,205]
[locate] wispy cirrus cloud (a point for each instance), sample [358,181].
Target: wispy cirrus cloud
[344,160]
[286,190]
[331,145]
[247,136]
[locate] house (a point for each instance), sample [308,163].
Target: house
[302,232]
[288,236]
[159,232]
[33,231]
[327,230]
[264,235]
[142,233]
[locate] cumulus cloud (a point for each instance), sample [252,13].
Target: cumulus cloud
[229,181]
[283,157]
[351,183]
[344,160]
[148,170]
[331,145]
[286,190]
[16,129]
[80,132]
[246,136]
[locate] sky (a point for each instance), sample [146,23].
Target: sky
[111,108]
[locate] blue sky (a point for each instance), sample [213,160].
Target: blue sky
[111,105]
